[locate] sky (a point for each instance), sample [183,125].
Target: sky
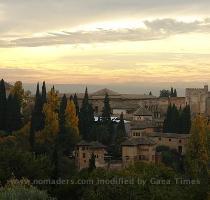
[135,43]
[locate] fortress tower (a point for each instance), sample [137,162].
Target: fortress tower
[198,99]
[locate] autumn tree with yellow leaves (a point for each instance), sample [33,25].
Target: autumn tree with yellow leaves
[50,110]
[197,156]
[71,124]
[71,118]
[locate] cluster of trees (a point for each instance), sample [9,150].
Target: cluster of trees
[10,107]
[168,93]
[177,120]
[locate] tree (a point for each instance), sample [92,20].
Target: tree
[175,93]
[76,104]
[172,92]
[62,111]
[120,136]
[3,103]
[86,117]
[106,113]
[92,163]
[71,118]
[167,121]
[197,155]
[18,91]
[164,93]
[185,120]
[21,189]
[50,110]
[150,93]
[13,117]
[37,117]
[44,93]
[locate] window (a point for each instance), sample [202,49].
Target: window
[169,140]
[96,109]
[83,155]
[180,149]
[159,138]
[180,141]
[83,148]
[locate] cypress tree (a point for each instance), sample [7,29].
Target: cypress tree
[3,102]
[86,117]
[76,103]
[71,98]
[167,121]
[14,117]
[44,93]
[172,92]
[120,137]
[92,163]
[62,110]
[37,117]
[121,132]
[106,113]
[175,93]
[174,121]
[186,120]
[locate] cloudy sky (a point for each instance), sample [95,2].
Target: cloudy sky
[106,41]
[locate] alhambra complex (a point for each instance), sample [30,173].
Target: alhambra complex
[144,116]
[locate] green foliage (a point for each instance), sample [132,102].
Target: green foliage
[86,118]
[168,93]
[171,158]
[62,111]
[3,103]
[108,187]
[106,113]
[177,121]
[92,163]
[37,118]
[197,155]
[21,190]
[13,115]
[76,104]
[23,164]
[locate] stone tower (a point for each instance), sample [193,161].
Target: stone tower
[198,99]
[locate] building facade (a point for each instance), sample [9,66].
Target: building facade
[84,151]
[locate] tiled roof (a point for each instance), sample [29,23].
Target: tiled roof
[138,141]
[105,91]
[142,111]
[169,135]
[94,144]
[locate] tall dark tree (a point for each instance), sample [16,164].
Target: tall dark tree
[86,117]
[92,163]
[37,117]
[167,121]
[62,110]
[172,92]
[185,120]
[71,98]
[174,121]
[3,102]
[44,93]
[120,137]
[76,103]
[106,113]
[175,93]
[13,117]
